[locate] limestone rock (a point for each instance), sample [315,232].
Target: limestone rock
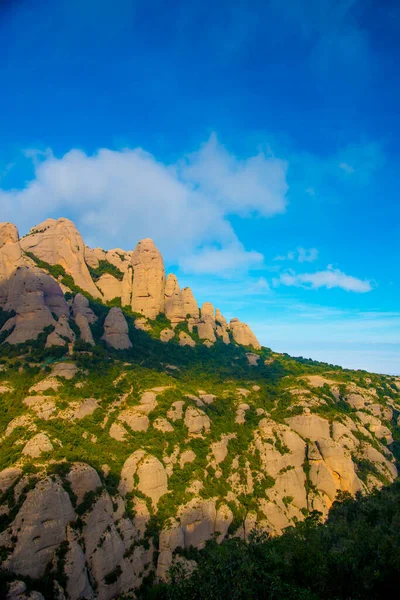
[81,306]
[43,406]
[110,287]
[206,328]
[116,330]
[196,421]
[10,257]
[58,242]
[186,340]
[34,296]
[126,287]
[190,306]
[87,407]
[66,370]
[148,280]
[93,256]
[118,432]
[207,310]
[136,420]
[83,478]
[166,335]
[84,328]
[37,445]
[152,478]
[243,335]
[8,477]
[187,456]
[173,301]
[40,526]
[175,413]
[62,330]
[163,425]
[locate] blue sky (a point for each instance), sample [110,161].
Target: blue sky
[256,142]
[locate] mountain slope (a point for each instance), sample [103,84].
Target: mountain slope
[120,449]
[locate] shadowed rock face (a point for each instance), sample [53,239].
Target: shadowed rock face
[116,330]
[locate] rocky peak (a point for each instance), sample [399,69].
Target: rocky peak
[242,334]
[8,234]
[58,242]
[148,279]
[174,306]
[190,306]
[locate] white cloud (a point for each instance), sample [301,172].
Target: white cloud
[118,197]
[301,255]
[330,278]
[254,185]
[221,260]
[346,167]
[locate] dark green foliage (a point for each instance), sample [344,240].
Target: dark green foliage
[354,555]
[105,267]
[113,576]
[5,315]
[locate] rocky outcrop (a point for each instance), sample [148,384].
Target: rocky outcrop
[148,279]
[40,526]
[34,296]
[243,335]
[110,287]
[37,445]
[116,330]
[190,306]
[62,333]
[173,301]
[150,473]
[58,242]
[83,316]
[10,257]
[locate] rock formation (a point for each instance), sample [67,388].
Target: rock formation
[243,335]
[58,242]
[173,301]
[148,279]
[116,330]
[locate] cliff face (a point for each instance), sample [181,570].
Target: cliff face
[54,251]
[130,434]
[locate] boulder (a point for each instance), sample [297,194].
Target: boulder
[116,330]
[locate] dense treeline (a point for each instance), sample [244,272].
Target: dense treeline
[355,555]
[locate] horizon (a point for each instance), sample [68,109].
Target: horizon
[255,145]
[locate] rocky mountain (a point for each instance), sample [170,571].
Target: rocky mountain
[135,426]
[37,270]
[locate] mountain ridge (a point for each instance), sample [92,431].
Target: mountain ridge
[127,441]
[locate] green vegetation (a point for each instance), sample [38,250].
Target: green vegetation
[103,267]
[354,555]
